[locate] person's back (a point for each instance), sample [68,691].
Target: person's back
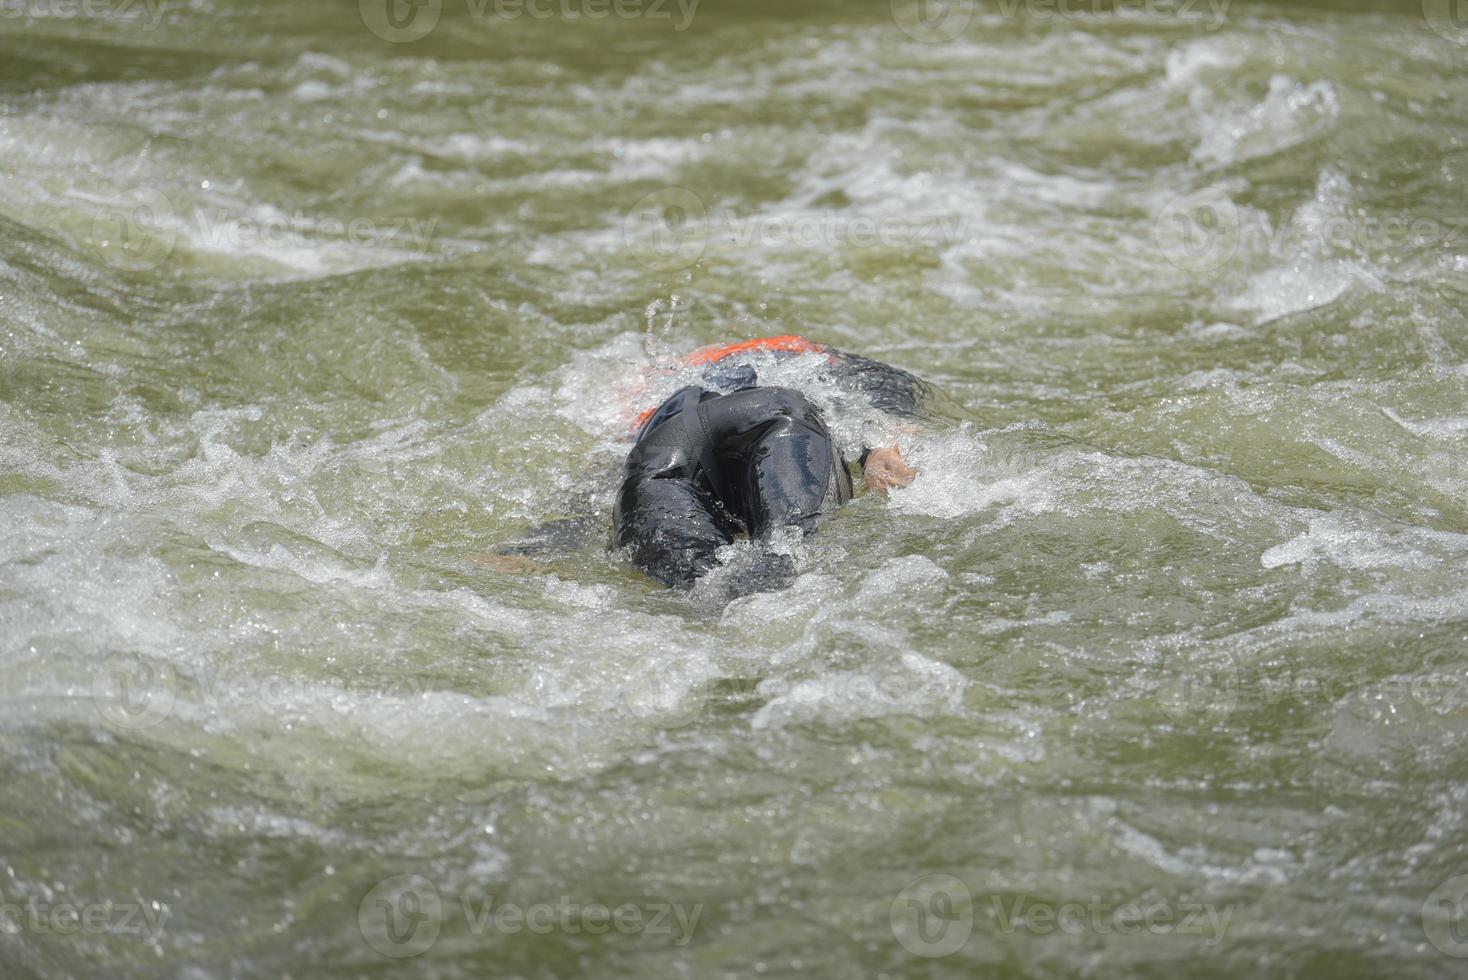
[731,455]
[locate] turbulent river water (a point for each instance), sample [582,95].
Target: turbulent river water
[1158,667]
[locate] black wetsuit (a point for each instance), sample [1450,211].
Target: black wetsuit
[736,456]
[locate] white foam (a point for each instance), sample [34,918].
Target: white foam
[1291,113]
[1351,541]
[912,684]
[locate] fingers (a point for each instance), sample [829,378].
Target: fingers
[886,470]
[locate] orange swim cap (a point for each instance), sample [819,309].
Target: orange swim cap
[786,342]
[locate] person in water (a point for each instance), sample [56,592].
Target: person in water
[730,456]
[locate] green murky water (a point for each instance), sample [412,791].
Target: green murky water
[1159,667]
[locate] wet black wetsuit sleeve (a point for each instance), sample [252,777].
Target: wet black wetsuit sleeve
[708,466]
[776,457]
[666,514]
[888,388]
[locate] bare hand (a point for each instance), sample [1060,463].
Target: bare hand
[885,470]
